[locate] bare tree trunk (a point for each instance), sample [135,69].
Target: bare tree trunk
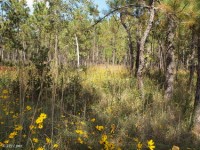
[138,34]
[192,61]
[94,48]
[160,56]
[170,62]
[196,114]
[55,74]
[141,57]
[113,56]
[77,51]
[131,52]
[113,51]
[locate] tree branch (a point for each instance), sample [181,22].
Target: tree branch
[119,8]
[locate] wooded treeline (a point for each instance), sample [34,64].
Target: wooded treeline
[144,35]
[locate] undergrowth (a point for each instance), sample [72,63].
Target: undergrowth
[95,108]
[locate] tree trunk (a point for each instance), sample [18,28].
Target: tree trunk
[2,56]
[130,42]
[160,56]
[138,35]
[54,86]
[77,51]
[192,61]
[141,57]
[131,52]
[170,63]
[114,50]
[196,114]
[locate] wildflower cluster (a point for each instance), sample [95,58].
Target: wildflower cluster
[107,145]
[40,119]
[80,132]
[12,135]
[5,94]
[150,144]
[100,128]
[18,127]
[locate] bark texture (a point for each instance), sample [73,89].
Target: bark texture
[196,120]
[170,61]
[77,51]
[141,56]
[192,60]
[138,34]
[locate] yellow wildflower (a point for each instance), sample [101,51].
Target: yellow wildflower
[79,132]
[5,97]
[103,139]
[110,146]
[80,140]
[139,146]
[1,144]
[14,116]
[100,128]
[6,141]
[40,148]
[35,140]
[28,107]
[48,140]
[40,126]
[39,120]
[93,120]
[12,135]
[82,123]
[43,116]
[5,91]
[31,127]
[55,146]
[136,139]
[18,127]
[151,145]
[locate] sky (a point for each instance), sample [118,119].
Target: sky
[30,3]
[101,4]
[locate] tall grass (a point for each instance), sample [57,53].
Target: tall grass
[98,107]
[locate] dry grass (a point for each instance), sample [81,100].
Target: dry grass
[104,97]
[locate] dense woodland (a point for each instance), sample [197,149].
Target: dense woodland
[75,78]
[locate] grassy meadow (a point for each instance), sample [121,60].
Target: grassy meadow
[94,108]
